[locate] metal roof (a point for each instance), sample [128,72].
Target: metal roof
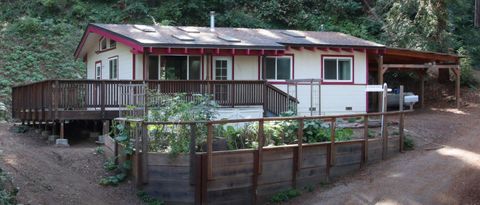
[247,37]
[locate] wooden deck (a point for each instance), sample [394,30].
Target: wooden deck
[58,100]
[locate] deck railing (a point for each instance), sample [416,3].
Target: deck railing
[48,97]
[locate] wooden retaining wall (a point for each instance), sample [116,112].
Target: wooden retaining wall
[235,179]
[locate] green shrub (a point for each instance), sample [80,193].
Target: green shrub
[408,143]
[110,165]
[8,192]
[285,195]
[99,150]
[21,129]
[148,199]
[113,180]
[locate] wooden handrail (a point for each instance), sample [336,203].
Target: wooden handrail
[99,95]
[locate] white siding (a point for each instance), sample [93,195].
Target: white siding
[124,62]
[334,98]
[246,68]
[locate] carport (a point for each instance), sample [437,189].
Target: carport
[407,60]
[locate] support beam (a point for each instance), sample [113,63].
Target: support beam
[457,73]
[380,80]
[421,76]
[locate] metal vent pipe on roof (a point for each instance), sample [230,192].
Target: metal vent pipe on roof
[212,21]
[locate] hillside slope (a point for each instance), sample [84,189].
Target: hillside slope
[38,37]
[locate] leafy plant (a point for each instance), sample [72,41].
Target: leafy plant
[148,199]
[408,143]
[110,165]
[175,139]
[285,195]
[99,150]
[352,120]
[8,192]
[113,180]
[21,129]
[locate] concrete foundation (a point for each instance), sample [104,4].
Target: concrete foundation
[61,143]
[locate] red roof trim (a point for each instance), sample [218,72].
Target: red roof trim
[93,29]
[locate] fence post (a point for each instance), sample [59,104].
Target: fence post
[332,142]
[401,125]
[300,144]
[365,137]
[138,153]
[193,168]
[145,149]
[261,141]
[384,120]
[209,150]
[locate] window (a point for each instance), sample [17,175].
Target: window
[337,69]
[106,44]
[221,70]
[113,67]
[113,43]
[98,70]
[180,67]
[278,68]
[103,44]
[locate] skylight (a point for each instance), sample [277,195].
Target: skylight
[188,29]
[228,38]
[144,28]
[296,34]
[183,37]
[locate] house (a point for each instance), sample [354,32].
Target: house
[139,52]
[250,72]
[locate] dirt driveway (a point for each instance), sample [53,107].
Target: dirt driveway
[49,175]
[445,169]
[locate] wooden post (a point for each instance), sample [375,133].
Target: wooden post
[204,179]
[56,97]
[209,150]
[422,88]
[106,128]
[457,86]
[255,176]
[198,179]
[62,129]
[138,153]
[193,168]
[365,137]
[333,150]
[261,141]
[300,144]
[380,80]
[384,122]
[400,125]
[102,99]
[145,150]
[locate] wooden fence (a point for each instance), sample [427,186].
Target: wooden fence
[253,176]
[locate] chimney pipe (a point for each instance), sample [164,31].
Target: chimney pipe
[212,21]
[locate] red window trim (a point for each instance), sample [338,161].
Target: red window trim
[95,69]
[118,67]
[292,55]
[133,66]
[322,56]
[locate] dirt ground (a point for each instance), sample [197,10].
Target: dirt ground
[51,175]
[443,169]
